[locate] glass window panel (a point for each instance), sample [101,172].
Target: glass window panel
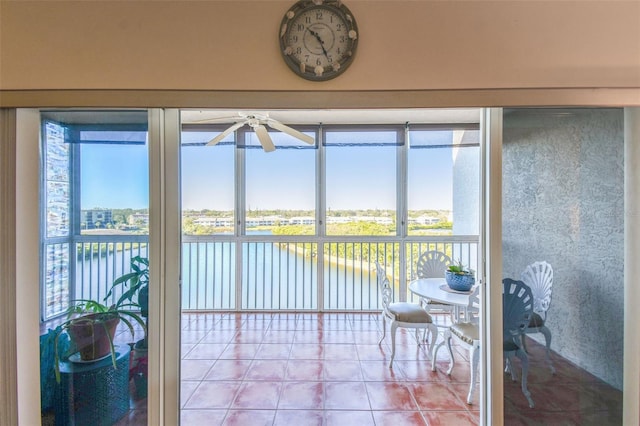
[443,182]
[57,209]
[56,279]
[281,140]
[443,137]
[57,153]
[57,195]
[280,188]
[208,183]
[563,190]
[361,182]
[100,190]
[114,137]
[379,137]
[114,192]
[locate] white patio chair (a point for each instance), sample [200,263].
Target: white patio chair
[466,334]
[539,277]
[517,308]
[402,314]
[433,264]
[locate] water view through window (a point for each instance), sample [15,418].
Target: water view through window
[284,224]
[298,229]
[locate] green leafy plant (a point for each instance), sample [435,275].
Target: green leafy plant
[137,293]
[95,316]
[459,268]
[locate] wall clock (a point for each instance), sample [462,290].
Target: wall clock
[318,39]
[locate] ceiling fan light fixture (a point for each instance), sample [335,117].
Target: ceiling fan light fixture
[257,122]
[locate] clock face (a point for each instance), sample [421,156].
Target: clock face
[318,40]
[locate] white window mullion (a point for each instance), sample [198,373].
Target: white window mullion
[491,372]
[164,258]
[321,214]
[241,211]
[27,257]
[401,206]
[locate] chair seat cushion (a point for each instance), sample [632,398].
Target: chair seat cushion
[536,321]
[466,332]
[409,312]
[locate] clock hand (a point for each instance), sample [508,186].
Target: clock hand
[317,36]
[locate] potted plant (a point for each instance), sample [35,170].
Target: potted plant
[460,277]
[136,294]
[91,327]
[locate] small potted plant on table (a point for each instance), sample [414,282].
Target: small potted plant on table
[459,277]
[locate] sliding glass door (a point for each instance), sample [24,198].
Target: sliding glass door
[563,234]
[94,269]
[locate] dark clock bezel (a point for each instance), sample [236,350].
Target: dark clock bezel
[303,6]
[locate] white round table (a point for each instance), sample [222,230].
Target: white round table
[432,289]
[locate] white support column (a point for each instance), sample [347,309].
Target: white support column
[27,264]
[164,267]
[631,387]
[491,242]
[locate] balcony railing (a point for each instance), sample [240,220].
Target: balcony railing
[274,274]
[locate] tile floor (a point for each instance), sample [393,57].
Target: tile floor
[327,369]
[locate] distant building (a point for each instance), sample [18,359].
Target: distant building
[381,220]
[140,219]
[217,222]
[95,218]
[302,220]
[425,220]
[265,221]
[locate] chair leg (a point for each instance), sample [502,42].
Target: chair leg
[523,341]
[434,355]
[384,328]
[509,366]
[524,359]
[474,356]
[433,334]
[448,338]
[547,338]
[394,327]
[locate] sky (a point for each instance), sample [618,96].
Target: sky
[116,176]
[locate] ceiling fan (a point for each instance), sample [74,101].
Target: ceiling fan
[257,123]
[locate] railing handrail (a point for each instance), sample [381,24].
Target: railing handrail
[115,238]
[333,238]
[276,272]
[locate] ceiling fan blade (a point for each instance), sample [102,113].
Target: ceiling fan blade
[225,133]
[288,130]
[264,138]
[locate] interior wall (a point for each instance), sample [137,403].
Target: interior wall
[403,45]
[563,202]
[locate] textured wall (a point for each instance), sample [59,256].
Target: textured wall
[564,203]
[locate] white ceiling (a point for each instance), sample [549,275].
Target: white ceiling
[342,116]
